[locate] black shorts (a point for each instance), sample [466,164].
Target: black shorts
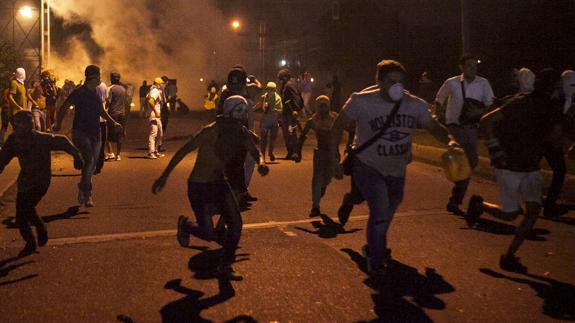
[114,134]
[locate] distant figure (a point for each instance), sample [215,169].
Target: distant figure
[117,98]
[271,104]
[156,100]
[18,99]
[171,91]
[144,110]
[182,107]
[320,123]
[306,90]
[51,92]
[208,190]
[33,150]
[335,96]
[37,103]
[515,137]
[86,136]
[459,94]
[426,88]
[210,100]
[292,105]
[165,117]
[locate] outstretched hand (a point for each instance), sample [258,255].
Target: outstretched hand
[159,185]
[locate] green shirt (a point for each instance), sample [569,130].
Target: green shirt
[18,92]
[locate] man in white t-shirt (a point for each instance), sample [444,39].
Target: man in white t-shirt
[155,100]
[452,94]
[379,170]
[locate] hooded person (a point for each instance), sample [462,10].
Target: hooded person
[321,123]
[517,135]
[17,98]
[271,104]
[526,79]
[208,187]
[568,82]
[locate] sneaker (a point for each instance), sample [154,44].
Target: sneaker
[250,198]
[454,209]
[272,157]
[118,158]
[160,155]
[314,212]
[42,235]
[474,210]
[110,156]
[344,211]
[89,202]
[227,273]
[29,249]
[183,236]
[511,263]
[152,156]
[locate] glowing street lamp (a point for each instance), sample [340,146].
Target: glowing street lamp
[236,24]
[283,63]
[25,12]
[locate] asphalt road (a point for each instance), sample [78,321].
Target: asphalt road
[120,260]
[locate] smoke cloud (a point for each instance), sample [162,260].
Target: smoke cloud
[142,39]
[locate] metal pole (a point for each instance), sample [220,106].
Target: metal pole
[262,43]
[464,28]
[14,24]
[41,57]
[48,34]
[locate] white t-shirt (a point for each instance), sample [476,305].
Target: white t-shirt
[479,89]
[391,153]
[158,96]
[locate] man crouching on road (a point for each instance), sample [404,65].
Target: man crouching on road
[379,170]
[33,149]
[515,137]
[208,190]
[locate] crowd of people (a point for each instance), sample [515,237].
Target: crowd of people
[518,130]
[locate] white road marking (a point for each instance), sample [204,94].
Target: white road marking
[249,226]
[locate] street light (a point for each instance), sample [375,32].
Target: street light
[26,12]
[283,63]
[236,24]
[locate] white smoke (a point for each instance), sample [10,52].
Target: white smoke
[145,39]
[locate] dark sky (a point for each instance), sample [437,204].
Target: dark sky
[422,34]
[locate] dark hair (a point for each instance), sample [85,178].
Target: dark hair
[23,116]
[284,74]
[237,77]
[115,77]
[91,70]
[386,66]
[546,80]
[465,57]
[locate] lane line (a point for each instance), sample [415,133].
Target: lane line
[249,226]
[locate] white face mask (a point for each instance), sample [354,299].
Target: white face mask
[395,92]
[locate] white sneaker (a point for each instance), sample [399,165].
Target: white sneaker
[152,156]
[118,158]
[110,156]
[160,155]
[89,202]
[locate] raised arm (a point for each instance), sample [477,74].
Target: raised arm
[178,156]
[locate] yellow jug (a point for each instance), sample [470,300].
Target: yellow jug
[456,164]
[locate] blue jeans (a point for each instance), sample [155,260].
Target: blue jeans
[89,147]
[383,195]
[207,199]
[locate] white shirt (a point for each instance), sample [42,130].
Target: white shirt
[102,91]
[479,89]
[391,153]
[157,95]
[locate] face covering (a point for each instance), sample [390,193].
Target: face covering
[395,92]
[20,75]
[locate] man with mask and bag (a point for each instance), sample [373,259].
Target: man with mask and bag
[386,117]
[466,98]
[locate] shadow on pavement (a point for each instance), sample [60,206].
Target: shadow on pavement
[496,227]
[70,214]
[558,297]
[6,267]
[66,175]
[561,219]
[189,308]
[327,228]
[404,293]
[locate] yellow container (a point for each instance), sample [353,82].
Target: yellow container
[456,164]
